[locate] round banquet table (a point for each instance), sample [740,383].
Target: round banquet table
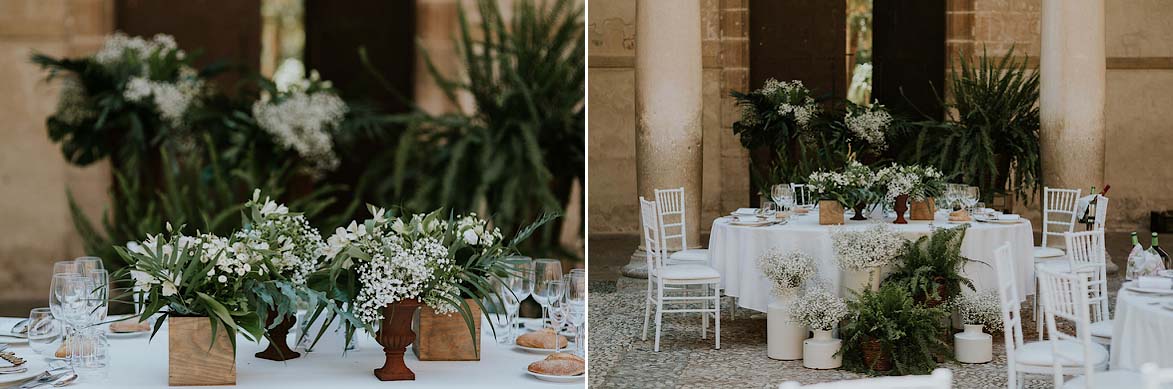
[734,252]
[137,363]
[1140,330]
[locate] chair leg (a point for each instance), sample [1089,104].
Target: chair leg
[659,321]
[704,319]
[717,316]
[647,310]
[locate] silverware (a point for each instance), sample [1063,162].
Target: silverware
[13,370]
[21,327]
[12,358]
[66,380]
[18,336]
[43,379]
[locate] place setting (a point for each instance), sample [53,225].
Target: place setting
[559,330]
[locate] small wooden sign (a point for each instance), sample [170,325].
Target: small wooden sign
[445,337]
[190,361]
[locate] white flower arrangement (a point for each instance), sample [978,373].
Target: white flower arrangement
[819,309]
[873,247]
[786,269]
[118,46]
[869,124]
[282,239]
[849,186]
[982,308]
[302,121]
[918,182]
[72,108]
[792,99]
[171,94]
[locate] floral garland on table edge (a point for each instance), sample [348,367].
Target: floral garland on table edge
[918,182]
[819,309]
[982,308]
[786,269]
[438,260]
[876,246]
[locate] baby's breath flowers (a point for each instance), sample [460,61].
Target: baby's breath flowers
[918,182]
[793,99]
[302,118]
[869,124]
[873,247]
[982,308]
[280,238]
[819,309]
[787,269]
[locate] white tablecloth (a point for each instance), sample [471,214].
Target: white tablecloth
[734,252]
[1140,331]
[135,363]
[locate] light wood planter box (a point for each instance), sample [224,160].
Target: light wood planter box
[924,210]
[445,337]
[190,362]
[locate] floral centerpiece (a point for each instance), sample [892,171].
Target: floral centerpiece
[385,267]
[787,269]
[850,187]
[770,126]
[864,252]
[921,184]
[299,116]
[869,124]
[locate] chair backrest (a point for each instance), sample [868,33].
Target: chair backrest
[1101,213]
[653,249]
[1008,300]
[941,378]
[1058,211]
[1064,296]
[803,195]
[1087,254]
[671,203]
[1153,377]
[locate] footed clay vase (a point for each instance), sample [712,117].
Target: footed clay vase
[395,335]
[278,347]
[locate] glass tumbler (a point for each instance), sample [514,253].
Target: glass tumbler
[89,355]
[45,333]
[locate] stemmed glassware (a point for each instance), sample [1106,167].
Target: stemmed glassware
[503,315]
[547,271]
[783,196]
[522,285]
[555,294]
[576,292]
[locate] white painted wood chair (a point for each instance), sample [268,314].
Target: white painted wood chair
[1059,216]
[803,195]
[664,278]
[1101,213]
[1065,296]
[1028,357]
[941,378]
[671,207]
[1154,377]
[1087,254]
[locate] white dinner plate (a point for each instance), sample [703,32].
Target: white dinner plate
[13,340]
[556,378]
[999,221]
[752,224]
[536,350]
[33,362]
[123,335]
[1165,273]
[745,212]
[1137,289]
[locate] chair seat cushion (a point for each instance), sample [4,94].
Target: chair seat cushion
[1048,252]
[1102,329]
[1060,265]
[1040,353]
[690,256]
[1108,379]
[688,272]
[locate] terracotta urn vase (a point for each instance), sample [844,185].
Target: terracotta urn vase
[859,212]
[395,335]
[830,212]
[900,207]
[278,349]
[924,210]
[874,356]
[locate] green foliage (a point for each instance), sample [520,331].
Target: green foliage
[908,332]
[993,141]
[931,261]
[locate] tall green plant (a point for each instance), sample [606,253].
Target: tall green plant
[993,139]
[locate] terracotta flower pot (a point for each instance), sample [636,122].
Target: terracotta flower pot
[924,210]
[395,335]
[859,212]
[900,207]
[830,212]
[278,349]
[874,355]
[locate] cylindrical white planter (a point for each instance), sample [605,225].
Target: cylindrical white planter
[819,352]
[783,336]
[973,346]
[854,282]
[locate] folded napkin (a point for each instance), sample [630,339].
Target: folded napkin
[747,218]
[1149,282]
[745,211]
[1009,216]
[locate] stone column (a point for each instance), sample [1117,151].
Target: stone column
[668,108]
[1072,70]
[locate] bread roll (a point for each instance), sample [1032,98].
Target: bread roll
[543,338]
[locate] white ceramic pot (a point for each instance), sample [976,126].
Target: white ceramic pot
[854,282]
[819,352]
[783,336]
[973,346]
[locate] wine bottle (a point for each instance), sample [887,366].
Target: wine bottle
[1156,247]
[1089,214]
[1136,259]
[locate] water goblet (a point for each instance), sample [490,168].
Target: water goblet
[45,332]
[545,270]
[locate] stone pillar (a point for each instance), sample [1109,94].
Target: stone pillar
[668,108]
[1072,70]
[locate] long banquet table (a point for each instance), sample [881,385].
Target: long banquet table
[734,252]
[137,363]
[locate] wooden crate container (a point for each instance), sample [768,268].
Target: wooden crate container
[445,337]
[190,362]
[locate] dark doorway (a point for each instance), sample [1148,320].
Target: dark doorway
[798,40]
[909,56]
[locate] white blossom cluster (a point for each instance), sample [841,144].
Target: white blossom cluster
[303,122]
[854,175]
[875,246]
[170,256]
[786,269]
[117,46]
[403,273]
[982,308]
[475,231]
[914,181]
[793,99]
[72,108]
[749,115]
[287,240]
[171,99]
[870,124]
[819,309]
[171,94]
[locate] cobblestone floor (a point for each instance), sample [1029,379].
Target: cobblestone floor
[619,359]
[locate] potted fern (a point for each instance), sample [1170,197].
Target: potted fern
[930,267]
[887,332]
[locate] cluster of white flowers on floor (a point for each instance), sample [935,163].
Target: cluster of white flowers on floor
[285,239]
[918,182]
[982,308]
[405,258]
[303,122]
[870,124]
[792,99]
[875,246]
[72,107]
[787,269]
[819,309]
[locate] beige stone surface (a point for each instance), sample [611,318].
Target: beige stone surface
[612,197]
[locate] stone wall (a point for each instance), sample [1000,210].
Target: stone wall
[37,227]
[611,30]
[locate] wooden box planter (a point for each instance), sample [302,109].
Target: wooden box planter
[445,337]
[190,361]
[924,210]
[830,212]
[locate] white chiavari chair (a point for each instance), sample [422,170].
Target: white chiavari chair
[1087,254]
[673,226]
[803,195]
[1065,296]
[941,378]
[663,278]
[1059,216]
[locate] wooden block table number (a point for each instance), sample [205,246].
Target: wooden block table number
[190,361]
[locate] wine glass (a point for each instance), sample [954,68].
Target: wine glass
[99,297]
[503,314]
[86,264]
[66,266]
[783,195]
[89,355]
[44,333]
[523,267]
[545,270]
[576,296]
[972,195]
[555,293]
